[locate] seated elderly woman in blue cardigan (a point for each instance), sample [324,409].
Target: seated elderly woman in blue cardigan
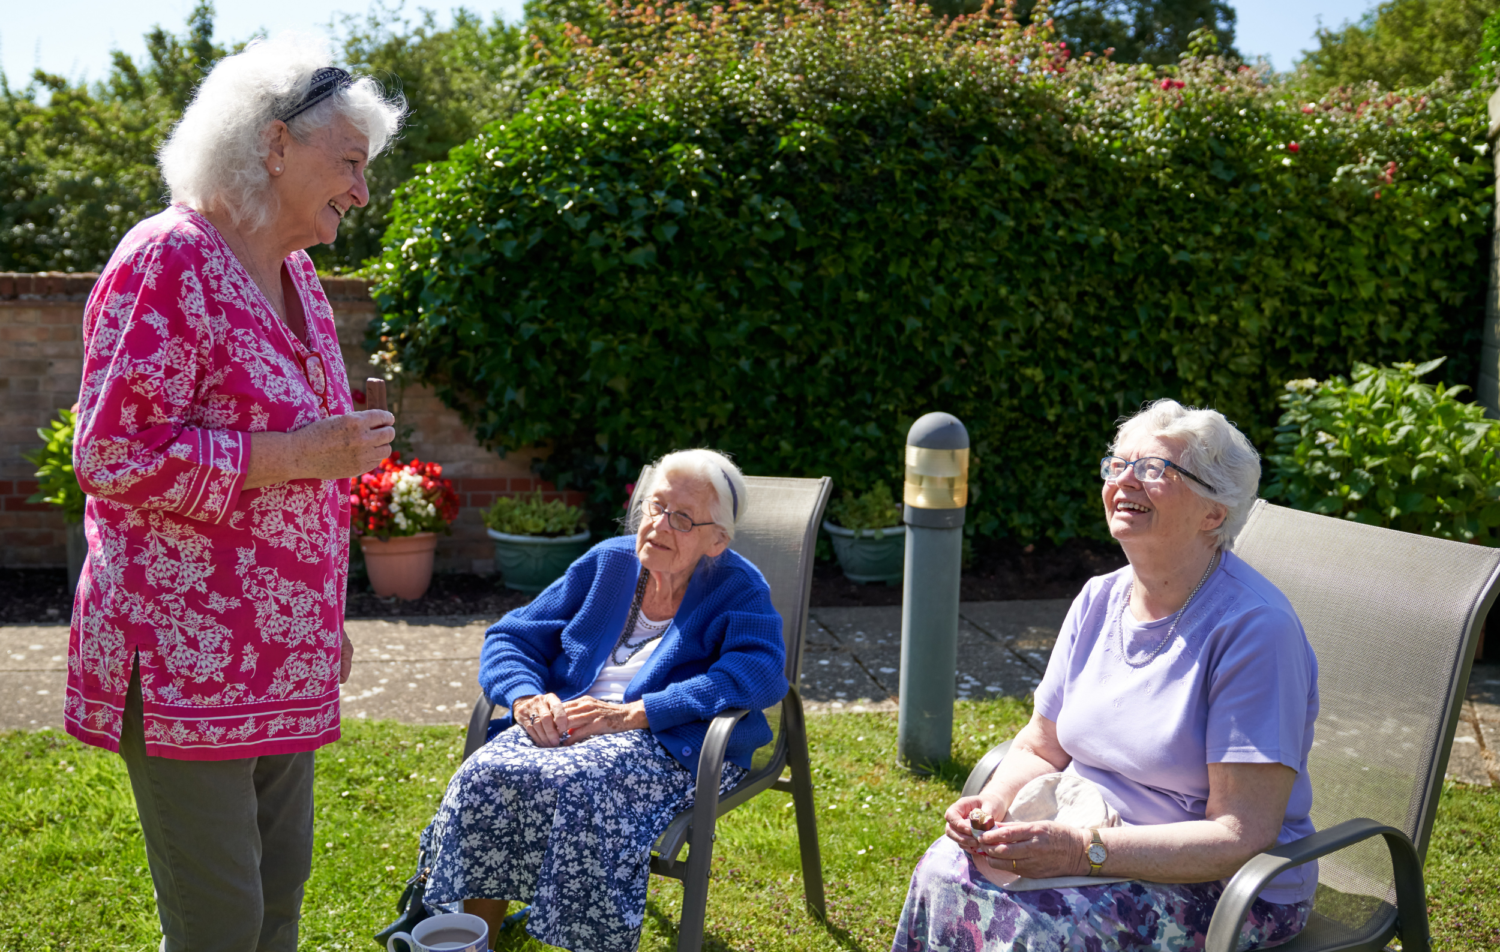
[612,676]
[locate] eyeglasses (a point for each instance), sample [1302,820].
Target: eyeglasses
[317,376]
[679,521]
[1147,469]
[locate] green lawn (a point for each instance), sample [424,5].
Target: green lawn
[73,876]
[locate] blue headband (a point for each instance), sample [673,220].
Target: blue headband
[733,496]
[325,82]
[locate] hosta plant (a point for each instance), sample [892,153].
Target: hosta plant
[1387,449]
[403,499]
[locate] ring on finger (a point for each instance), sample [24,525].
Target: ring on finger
[1013,867]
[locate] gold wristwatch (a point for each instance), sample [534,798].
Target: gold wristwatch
[1097,854]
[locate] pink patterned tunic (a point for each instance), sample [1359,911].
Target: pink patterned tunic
[231,600]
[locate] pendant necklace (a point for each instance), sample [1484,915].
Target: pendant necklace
[1125,607]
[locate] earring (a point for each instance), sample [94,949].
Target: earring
[278,168]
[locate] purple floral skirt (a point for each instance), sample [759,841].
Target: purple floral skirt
[951,907]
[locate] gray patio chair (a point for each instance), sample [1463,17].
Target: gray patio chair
[779,534]
[1393,618]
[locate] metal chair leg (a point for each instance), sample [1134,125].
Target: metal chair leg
[701,842]
[795,724]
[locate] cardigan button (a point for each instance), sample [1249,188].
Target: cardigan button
[687,751]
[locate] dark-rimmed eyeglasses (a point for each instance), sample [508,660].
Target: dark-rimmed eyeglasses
[1147,469]
[679,521]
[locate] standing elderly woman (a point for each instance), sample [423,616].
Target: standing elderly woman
[1184,689]
[215,441]
[612,676]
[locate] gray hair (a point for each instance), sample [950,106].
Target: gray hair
[731,496]
[216,154]
[1213,450]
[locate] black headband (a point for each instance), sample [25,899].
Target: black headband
[325,82]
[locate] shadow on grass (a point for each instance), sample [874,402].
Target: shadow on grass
[952,773]
[715,941]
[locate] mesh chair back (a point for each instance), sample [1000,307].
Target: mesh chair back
[779,534]
[1392,617]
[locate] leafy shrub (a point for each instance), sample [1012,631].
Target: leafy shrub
[1389,450]
[874,509]
[787,231]
[535,516]
[56,482]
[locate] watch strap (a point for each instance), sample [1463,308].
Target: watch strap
[1088,853]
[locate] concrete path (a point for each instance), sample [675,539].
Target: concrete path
[423,670]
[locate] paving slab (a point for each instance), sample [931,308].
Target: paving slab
[1466,762]
[33,647]
[837,675]
[1029,627]
[1484,682]
[986,668]
[32,700]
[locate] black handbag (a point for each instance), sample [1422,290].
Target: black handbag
[411,907]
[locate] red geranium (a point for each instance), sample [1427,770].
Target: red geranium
[402,499]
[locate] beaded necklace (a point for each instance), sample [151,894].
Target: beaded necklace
[1125,607]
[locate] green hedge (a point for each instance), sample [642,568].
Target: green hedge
[787,232]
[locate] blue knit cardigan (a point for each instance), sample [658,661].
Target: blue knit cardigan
[722,650]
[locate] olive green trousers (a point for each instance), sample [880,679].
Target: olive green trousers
[229,842]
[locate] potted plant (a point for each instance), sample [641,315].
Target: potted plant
[57,485]
[399,508]
[867,534]
[536,539]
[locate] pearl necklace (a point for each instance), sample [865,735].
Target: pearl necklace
[1125,607]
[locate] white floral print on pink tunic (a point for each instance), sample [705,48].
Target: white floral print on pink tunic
[231,600]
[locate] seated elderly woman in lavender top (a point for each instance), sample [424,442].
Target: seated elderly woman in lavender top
[1183,688]
[612,676]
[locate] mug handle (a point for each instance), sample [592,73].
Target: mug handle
[411,944]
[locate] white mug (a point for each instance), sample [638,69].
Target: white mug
[449,932]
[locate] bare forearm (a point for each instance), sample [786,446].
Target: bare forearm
[274,459]
[1030,756]
[1196,851]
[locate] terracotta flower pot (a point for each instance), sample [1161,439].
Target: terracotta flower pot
[400,566]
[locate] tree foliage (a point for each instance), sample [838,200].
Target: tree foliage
[1131,31]
[78,172]
[786,231]
[1402,43]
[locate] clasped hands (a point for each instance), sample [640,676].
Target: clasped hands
[1035,850]
[550,722]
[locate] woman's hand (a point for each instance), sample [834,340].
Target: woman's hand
[959,829]
[346,658]
[589,716]
[333,448]
[543,717]
[1037,850]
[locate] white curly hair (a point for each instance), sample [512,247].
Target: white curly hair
[1213,450]
[714,469]
[216,154]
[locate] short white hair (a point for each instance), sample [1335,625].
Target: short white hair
[730,496]
[1214,450]
[216,154]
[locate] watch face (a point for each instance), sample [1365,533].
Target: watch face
[1097,854]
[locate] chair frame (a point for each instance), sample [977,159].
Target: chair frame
[695,827]
[1408,918]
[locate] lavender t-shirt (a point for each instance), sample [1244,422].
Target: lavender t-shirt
[1237,684]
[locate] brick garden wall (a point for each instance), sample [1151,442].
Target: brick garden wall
[41,366]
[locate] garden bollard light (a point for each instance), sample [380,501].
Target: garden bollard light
[935,494]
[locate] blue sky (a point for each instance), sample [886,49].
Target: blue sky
[74,37]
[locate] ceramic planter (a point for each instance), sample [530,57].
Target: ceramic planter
[531,563]
[865,558]
[400,566]
[78,550]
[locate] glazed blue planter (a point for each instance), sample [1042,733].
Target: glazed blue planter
[865,558]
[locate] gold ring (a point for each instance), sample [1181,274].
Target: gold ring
[1013,867]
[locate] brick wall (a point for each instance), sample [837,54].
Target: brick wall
[41,366]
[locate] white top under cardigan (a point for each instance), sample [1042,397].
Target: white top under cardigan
[629,657]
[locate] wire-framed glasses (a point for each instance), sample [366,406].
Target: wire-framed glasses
[679,521]
[1147,469]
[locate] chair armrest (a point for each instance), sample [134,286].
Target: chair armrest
[711,762]
[1411,897]
[985,769]
[479,723]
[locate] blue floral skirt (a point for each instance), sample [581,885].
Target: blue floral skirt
[567,829]
[950,906]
